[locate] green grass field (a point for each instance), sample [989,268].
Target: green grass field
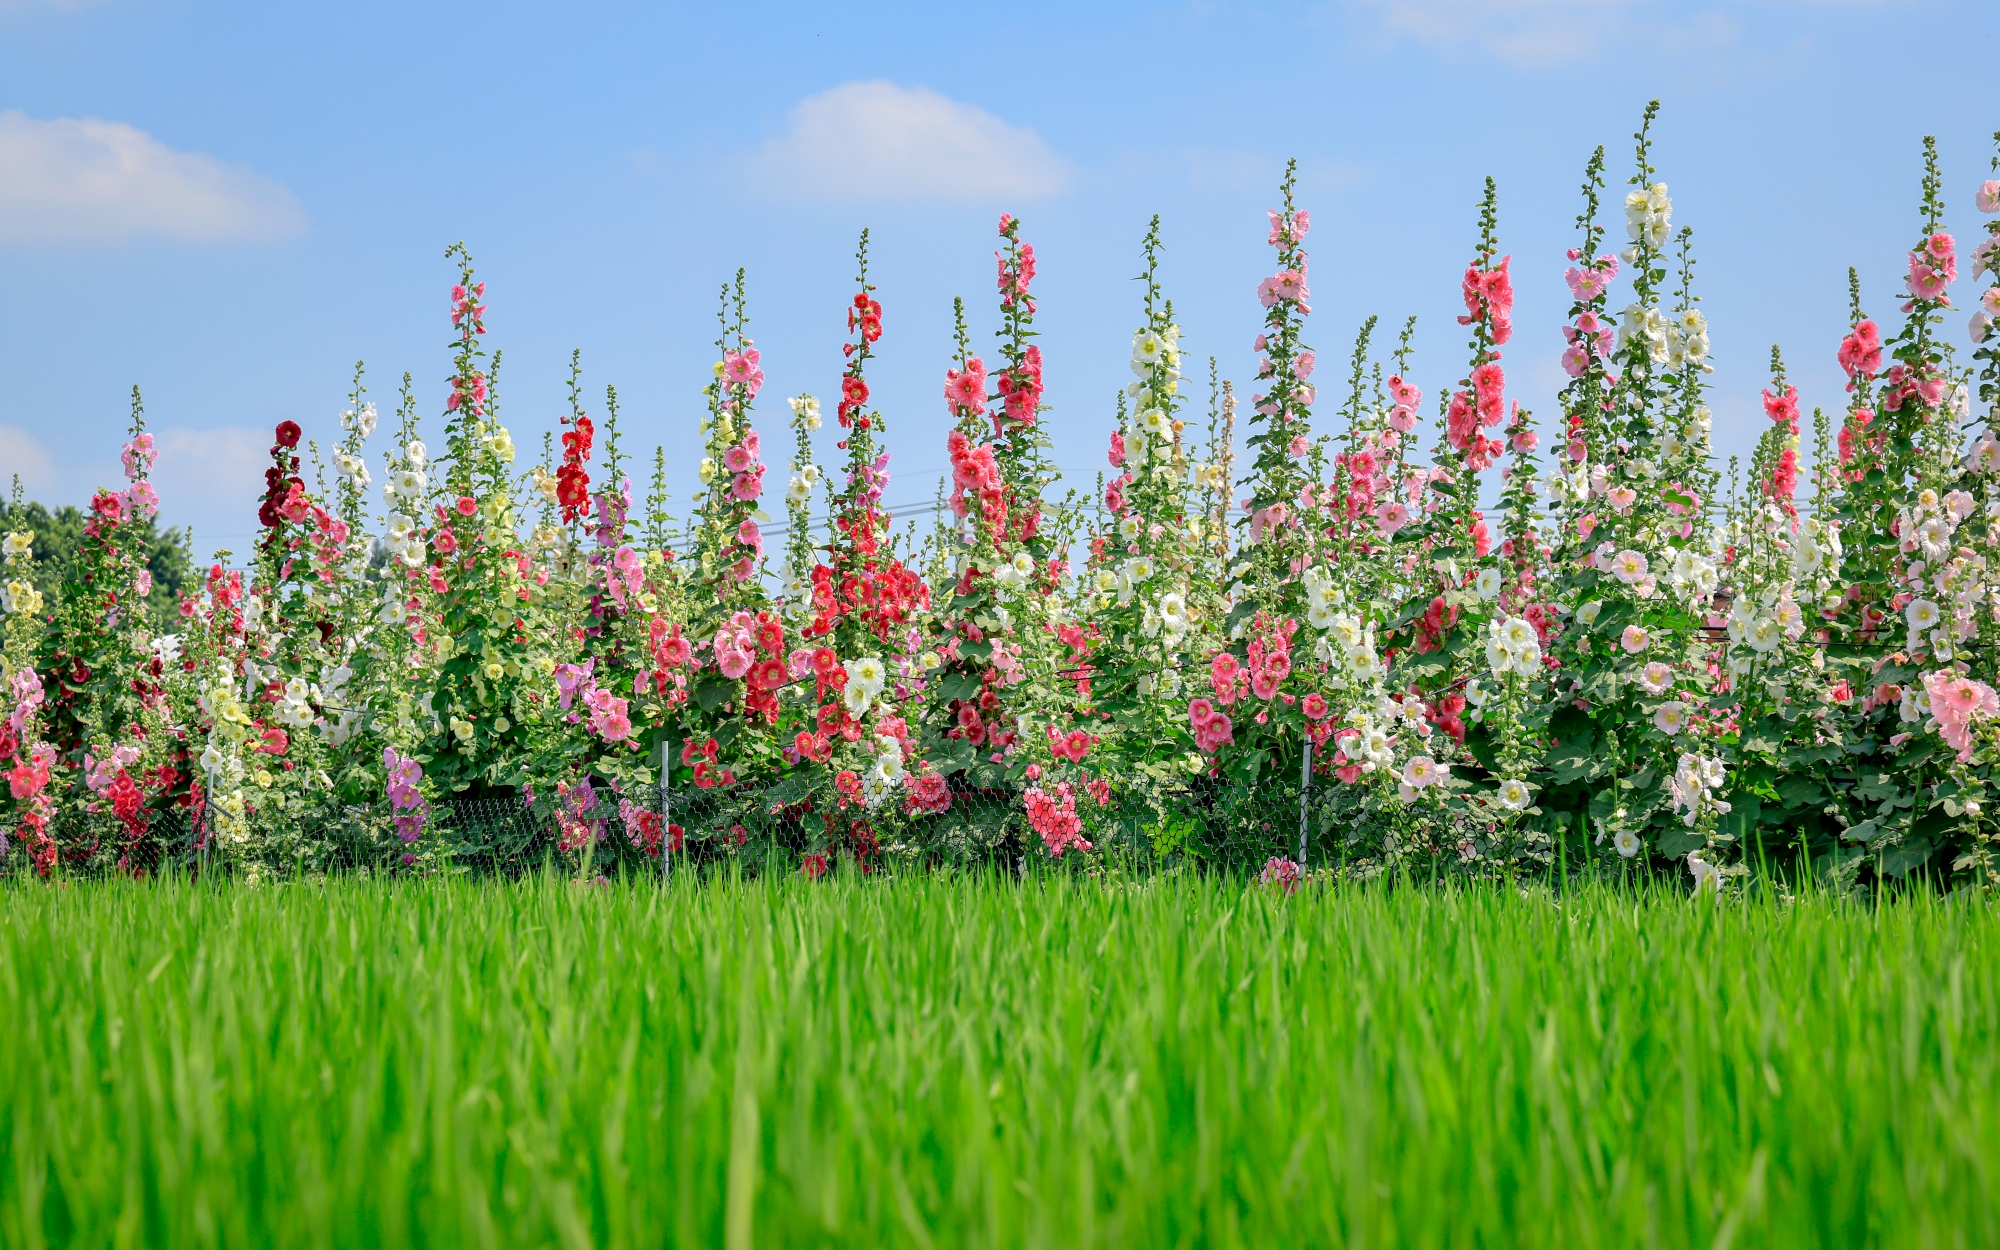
[958,1062]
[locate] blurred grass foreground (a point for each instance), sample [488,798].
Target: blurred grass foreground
[978,1062]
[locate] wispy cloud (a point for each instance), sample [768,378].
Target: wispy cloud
[25,457]
[207,479]
[880,142]
[91,181]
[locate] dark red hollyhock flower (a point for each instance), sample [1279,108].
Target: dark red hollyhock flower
[288,434]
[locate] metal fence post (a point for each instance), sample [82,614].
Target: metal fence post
[666,808]
[1305,799]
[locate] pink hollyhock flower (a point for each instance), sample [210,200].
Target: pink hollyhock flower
[445,541]
[733,662]
[1222,674]
[1525,440]
[737,460]
[747,486]
[1390,517]
[1285,284]
[749,535]
[1926,282]
[1299,446]
[467,505]
[1634,639]
[1264,684]
[1314,706]
[1987,198]
[1302,368]
[144,500]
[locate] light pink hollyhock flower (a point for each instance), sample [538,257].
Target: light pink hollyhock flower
[1575,360]
[737,459]
[734,663]
[1525,440]
[142,585]
[144,500]
[747,486]
[1655,678]
[749,535]
[1391,516]
[1585,524]
[1302,368]
[1957,702]
[1990,301]
[1670,717]
[1981,323]
[1422,772]
[745,569]
[1987,198]
[1299,446]
[1634,639]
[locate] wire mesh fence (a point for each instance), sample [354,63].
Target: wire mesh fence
[801,823]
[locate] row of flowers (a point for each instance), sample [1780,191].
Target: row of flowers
[1469,658]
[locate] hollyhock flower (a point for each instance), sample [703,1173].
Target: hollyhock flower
[1299,446]
[1655,678]
[1285,284]
[467,505]
[1634,639]
[1670,717]
[1421,772]
[733,662]
[1987,198]
[1861,351]
[1315,706]
[288,434]
[1223,671]
[144,500]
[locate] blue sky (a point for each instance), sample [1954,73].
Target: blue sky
[229,204]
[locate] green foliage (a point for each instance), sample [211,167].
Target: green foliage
[58,533]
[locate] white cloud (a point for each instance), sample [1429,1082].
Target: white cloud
[211,479]
[24,456]
[87,180]
[1539,33]
[876,141]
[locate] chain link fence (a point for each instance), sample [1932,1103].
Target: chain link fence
[799,823]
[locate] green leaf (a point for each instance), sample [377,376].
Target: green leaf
[1900,861]
[957,686]
[1678,843]
[712,690]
